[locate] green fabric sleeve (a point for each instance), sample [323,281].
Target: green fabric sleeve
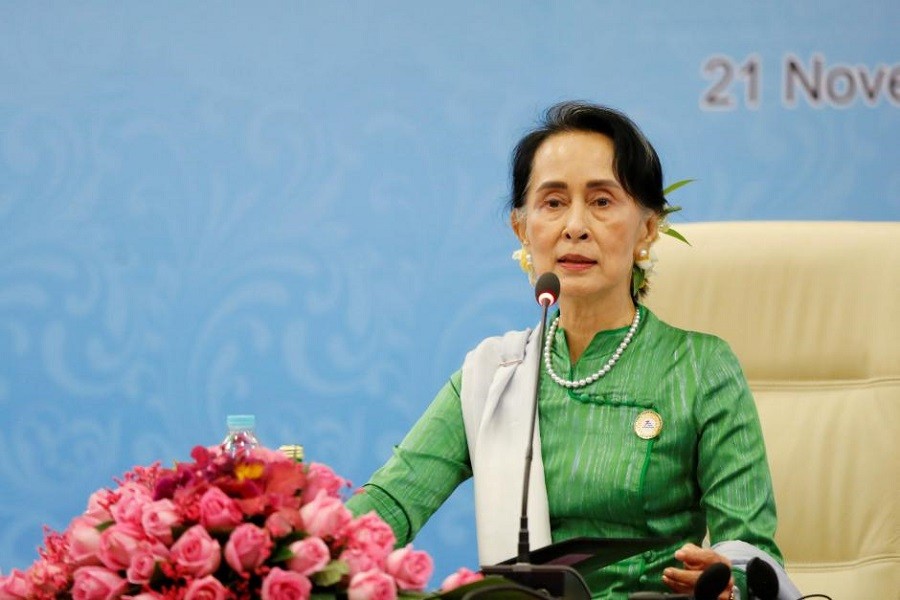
[430,462]
[732,469]
[372,497]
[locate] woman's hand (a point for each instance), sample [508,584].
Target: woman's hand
[695,560]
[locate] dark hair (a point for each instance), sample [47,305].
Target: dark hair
[635,162]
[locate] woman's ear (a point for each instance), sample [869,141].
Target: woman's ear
[517,222]
[652,225]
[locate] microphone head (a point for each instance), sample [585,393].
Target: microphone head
[712,581]
[546,290]
[762,581]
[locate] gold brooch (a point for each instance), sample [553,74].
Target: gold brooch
[648,425]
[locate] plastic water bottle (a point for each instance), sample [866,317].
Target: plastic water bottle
[241,437]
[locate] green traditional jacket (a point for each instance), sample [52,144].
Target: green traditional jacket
[705,470]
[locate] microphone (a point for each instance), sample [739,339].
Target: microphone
[547,580]
[712,581]
[546,292]
[762,581]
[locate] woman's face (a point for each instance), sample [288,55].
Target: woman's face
[579,222]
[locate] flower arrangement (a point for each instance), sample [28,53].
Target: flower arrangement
[262,525]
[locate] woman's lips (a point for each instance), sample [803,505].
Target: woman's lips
[575,262]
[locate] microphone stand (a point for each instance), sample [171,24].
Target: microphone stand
[553,581]
[524,555]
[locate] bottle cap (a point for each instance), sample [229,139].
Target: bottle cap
[240,421]
[292,451]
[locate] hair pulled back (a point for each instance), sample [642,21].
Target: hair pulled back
[635,162]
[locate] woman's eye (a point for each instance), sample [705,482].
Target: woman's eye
[601,202]
[553,202]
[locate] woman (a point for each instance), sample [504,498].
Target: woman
[644,429]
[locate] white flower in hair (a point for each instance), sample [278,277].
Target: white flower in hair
[647,261]
[523,257]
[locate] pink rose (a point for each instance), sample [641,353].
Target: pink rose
[325,516]
[98,505]
[97,583]
[146,596]
[15,585]
[141,568]
[247,548]
[285,585]
[410,568]
[130,506]
[321,477]
[372,585]
[158,519]
[205,588]
[196,553]
[462,577]
[358,561]
[143,562]
[371,535]
[118,544]
[84,541]
[310,555]
[283,522]
[218,511]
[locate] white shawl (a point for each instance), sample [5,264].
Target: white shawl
[497,392]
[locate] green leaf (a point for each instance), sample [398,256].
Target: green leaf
[104,525]
[322,596]
[281,554]
[671,208]
[676,185]
[676,235]
[637,279]
[331,574]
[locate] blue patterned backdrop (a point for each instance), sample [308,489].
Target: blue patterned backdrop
[296,209]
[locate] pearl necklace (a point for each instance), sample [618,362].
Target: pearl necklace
[603,371]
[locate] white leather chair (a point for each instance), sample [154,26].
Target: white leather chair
[812,310]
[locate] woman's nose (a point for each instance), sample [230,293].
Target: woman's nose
[575,225]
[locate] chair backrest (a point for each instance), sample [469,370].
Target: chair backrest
[812,310]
